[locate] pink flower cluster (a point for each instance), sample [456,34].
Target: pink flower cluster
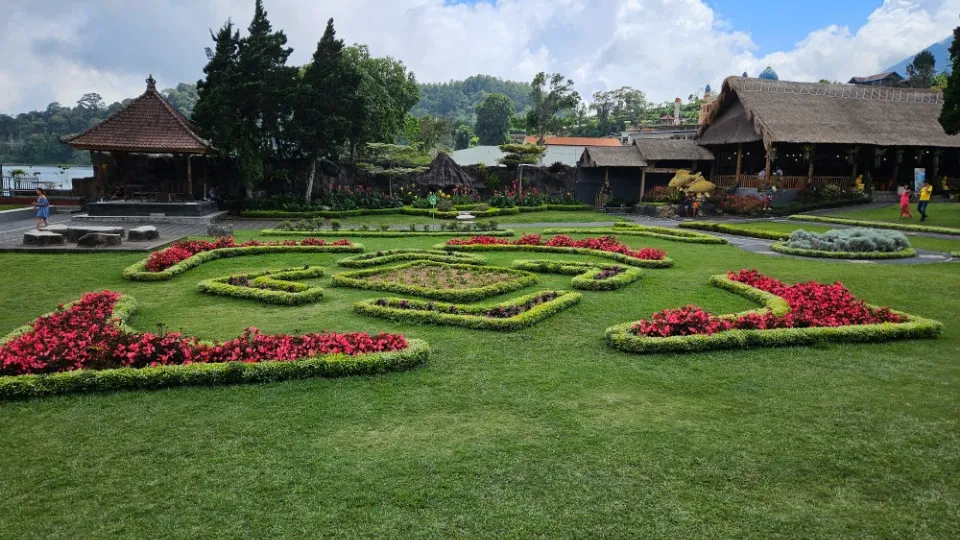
[85,336]
[159,261]
[603,243]
[812,304]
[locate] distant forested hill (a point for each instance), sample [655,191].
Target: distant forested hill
[457,99]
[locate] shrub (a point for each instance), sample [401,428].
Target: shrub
[604,243]
[489,243]
[444,205]
[739,205]
[853,240]
[358,280]
[270,287]
[877,224]
[588,276]
[662,194]
[733,229]
[378,258]
[630,229]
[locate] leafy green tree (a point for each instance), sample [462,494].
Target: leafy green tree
[215,112]
[459,99]
[515,154]
[615,108]
[493,119]
[462,136]
[950,114]
[435,132]
[921,70]
[550,95]
[183,97]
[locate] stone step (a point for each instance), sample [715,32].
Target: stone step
[97,239]
[42,238]
[143,234]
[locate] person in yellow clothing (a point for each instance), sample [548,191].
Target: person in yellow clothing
[925,191]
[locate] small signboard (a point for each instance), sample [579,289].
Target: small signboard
[919,177]
[432,199]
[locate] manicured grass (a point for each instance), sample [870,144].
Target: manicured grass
[549,216]
[542,432]
[11,207]
[939,214]
[917,241]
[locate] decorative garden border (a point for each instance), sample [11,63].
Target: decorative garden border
[877,224]
[87,380]
[378,258]
[384,234]
[137,271]
[409,210]
[619,257]
[355,280]
[470,316]
[781,247]
[584,273]
[663,233]
[621,337]
[271,278]
[733,229]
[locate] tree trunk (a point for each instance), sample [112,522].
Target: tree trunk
[739,161]
[310,176]
[643,183]
[812,159]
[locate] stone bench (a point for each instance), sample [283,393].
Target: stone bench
[75,232]
[42,238]
[97,239]
[143,234]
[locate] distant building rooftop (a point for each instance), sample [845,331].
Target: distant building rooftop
[573,141]
[890,76]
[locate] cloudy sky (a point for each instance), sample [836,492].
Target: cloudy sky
[56,50]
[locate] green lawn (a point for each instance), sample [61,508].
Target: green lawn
[11,206]
[550,216]
[939,214]
[546,432]
[917,241]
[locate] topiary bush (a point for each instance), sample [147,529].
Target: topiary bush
[853,240]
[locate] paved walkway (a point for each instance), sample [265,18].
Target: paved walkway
[11,236]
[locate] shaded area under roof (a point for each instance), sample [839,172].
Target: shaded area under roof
[148,124]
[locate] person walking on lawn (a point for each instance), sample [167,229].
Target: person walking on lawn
[925,191]
[905,202]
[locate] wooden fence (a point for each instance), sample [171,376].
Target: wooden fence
[783,182]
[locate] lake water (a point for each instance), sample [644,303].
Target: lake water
[52,177]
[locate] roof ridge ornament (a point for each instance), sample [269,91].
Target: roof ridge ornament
[151,83]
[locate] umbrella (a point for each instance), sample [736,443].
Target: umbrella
[682,179]
[701,185]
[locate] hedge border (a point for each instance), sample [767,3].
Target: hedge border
[308,293]
[583,272]
[385,234]
[452,214]
[137,271]
[619,257]
[332,214]
[398,255]
[651,232]
[620,336]
[565,300]
[355,280]
[877,224]
[410,211]
[781,247]
[733,229]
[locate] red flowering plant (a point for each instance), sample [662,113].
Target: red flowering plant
[86,336]
[159,261]
[604,243]
[812,304]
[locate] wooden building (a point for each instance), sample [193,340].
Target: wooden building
[826,134]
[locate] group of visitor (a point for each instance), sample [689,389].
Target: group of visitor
[926,190]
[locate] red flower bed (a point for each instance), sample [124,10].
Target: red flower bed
[159,261]
[85,336]
[604,243]
[811,304]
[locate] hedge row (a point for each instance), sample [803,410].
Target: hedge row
[663,233]
[877,224]
[473,318]
[397,255]
[622,337]
[273,280]
[619,257]
[781,247]
[334,365]
[452,214]
[733,229]
[332,214]
[558,207]
[356,280]
[138,270]
[411,211]
[585,273]
[385,234]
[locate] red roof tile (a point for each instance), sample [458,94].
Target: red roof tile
[573,141]
[147,124]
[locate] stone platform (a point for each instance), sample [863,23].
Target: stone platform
[151,209]
[200,221]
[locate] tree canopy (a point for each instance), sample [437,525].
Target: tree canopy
[550,96]
[458,100]
[493,119]
[950,114]
[922,70]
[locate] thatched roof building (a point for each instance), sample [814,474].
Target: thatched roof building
[445,173]
[610,156]
[671,150]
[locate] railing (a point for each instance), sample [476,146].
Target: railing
[783,182]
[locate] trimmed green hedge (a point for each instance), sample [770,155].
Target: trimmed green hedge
[584,273]
[138,270]
[619,257]
[356,280]
[384,234]
[411,211]
[452,214]
[733,229]
[473,318]
[621,336]
[877,224]
[781,247]
[149,378]
[663,233]
[368,260]
[558,207]
[333,214]
[272,280]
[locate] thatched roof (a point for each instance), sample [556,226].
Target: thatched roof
[671,150]
[612,156]
[792,112]
[444,172]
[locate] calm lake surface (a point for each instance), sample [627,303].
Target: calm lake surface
[50,176]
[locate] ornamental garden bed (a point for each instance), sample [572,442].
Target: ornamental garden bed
[411,211]
[627,229]
[452,282]
[786,249]
[87,346]
[607,247]
[182,256]
[800,314]
[733,229]
[877,224]
[588,276]
[268,286]
[381,257]
[507,316]
[361,233]
[851,243]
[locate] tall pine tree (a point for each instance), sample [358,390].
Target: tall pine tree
[215,111]
[950,114]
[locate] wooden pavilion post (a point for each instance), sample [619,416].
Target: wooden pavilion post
[643,182]
[739,161]
[936,165]
[811,159]
[715,166]
[855,156]
[897,159]
[766,164]
[189,178]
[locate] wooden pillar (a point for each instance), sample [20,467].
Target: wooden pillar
[766,165]
[189,178]
[739,160]
[643,182]
[715,166]
[936,165]
[897,158]
[856,162]
[812,159]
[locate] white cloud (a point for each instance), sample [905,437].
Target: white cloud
[60,49]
